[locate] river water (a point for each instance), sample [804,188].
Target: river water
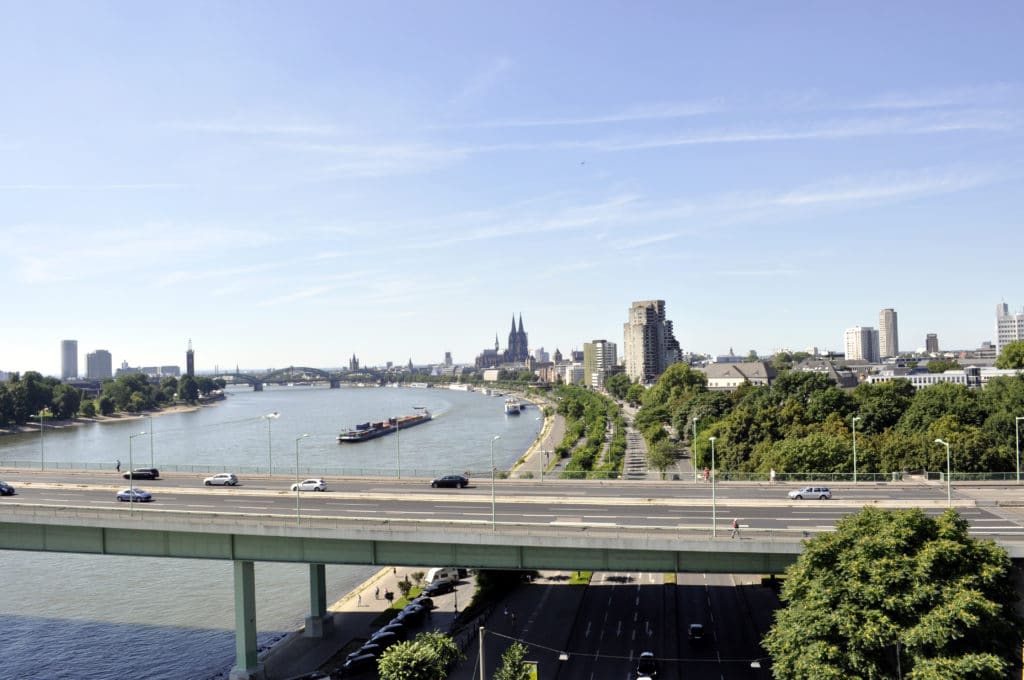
[95,617]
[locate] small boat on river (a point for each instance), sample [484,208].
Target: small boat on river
[365,431]
[512,406]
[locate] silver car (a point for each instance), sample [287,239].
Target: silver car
[819,492]
[221,479]
[310,485]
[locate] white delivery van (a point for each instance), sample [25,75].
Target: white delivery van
[441,574]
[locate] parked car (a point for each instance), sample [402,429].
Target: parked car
[310,485]
[450,481]
[142,473]
[819,492]
[396,627]
[424,602]
[647,665]
[368,648]
[221,479]
[358,665]
[695,633]
[410,616]
[439,588]
[6,489]
[135,495]
[386,638]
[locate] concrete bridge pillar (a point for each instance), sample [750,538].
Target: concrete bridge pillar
[318,620]
[257,387]
[246,667]
[335,384]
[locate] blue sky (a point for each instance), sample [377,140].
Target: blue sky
[294,183]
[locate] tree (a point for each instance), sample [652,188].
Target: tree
[661,456]
[1011,356]
[512,666]
[188,389]
[892,590]
[65,402]
[941,365]
[617,385]
[427,657]
[635,394]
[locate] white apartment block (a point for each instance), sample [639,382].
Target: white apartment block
[861,343]
[599,357]
[1009,327]
[888,334]
[649,345]
[68,359]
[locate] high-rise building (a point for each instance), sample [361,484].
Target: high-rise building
[599,357]
[68,359]
[888,334]
[98,365]
[1009,327]
[860,343]
[931,343]
[649,345]
[190,360]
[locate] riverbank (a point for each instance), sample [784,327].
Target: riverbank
[119,417]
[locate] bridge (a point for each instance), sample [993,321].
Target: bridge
[301,375]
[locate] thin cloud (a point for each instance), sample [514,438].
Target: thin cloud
[257,129]
[636,114]
[90,187]
[305,294]
[483,81]
[890,187]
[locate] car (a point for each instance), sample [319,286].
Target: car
[6,489]
[134,495]
[647,665]
[439,588]
[310,485]
[450,481]
[819,492]
[424,602]
[386,638]
[358,665]
[142,473]
[410,616]
[221,479]
[695,632]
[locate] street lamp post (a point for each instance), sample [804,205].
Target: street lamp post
[131,472]
[1016,425]
[540,454]
[398,448]
[494,525]
[42,453]
[855,419]
[714,513]
[297,490]
[274,415]
[151,463]
[949,493]
[693,456]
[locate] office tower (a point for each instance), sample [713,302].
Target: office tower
[190,360]
[599,357]
[98,365]
[860,343]
[649,345]
[68,359]
[447,358]
[1009,327]
[888,334]
[931,343]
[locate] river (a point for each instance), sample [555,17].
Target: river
[93,617]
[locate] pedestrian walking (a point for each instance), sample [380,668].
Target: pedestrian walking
[506,610]
[707,474]
[359,599]
[376,593]
[771,476]
[735,528]
[118,468]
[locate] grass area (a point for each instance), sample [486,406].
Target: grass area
[580,578]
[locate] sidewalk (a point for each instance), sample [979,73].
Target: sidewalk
[351,618]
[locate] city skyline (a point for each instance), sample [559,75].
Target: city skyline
[300,185]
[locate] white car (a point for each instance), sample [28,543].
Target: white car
[221,479]
[310,485]
[819,492]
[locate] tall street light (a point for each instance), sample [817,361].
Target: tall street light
[693,456]
[949,494]
[494,525]
[297,491]
[151,463]
[1016,424]
[855,419]
[540,454]
[131,472]
[274,415]
[398,447]
[714,513]
[42,453]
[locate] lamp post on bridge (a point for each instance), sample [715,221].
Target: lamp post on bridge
[494,525]
[714,514]
[151,463]
[274,415]
[693,453]
[398,448]
[949,493]
[855,419]
[540,454]
[131,472]
[298,490]
[42,453]
[1016,425]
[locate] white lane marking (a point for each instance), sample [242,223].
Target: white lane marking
[586,633]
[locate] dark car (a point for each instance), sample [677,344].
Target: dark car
[647,665]
[424,602]
[410,616]
[386,638]
[357,665]
[438,588]
[450,481]
[397,627]
[6,489]
[695,633]
[142,473]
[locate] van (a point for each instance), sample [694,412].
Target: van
[442,574]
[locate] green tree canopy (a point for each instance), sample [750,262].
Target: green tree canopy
[512,666]
[897,589]
[617,385]
[940,365]
[427,657]
[1011,356]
